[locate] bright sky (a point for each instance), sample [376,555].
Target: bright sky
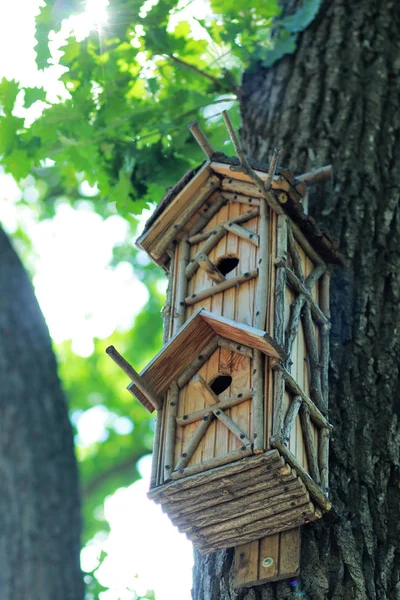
[76,288]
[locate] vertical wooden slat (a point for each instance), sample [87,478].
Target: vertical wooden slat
[309,443]
[258,401]
[246,563]
[269,557]
[172,401]
[289,558]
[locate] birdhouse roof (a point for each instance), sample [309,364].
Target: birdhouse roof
[189,342]
[178,209]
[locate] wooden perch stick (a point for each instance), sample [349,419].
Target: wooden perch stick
[134,376]
[316,176]
[201,139]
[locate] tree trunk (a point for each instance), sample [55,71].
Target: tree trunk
[39,497]
[336,100]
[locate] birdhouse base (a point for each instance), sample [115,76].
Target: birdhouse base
[271,558]
[237,503]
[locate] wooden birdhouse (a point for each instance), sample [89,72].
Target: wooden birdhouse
[241,384]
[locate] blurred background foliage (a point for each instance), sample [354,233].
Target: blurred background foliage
[131,76]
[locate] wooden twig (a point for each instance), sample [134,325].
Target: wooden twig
[272,169]
[201,139]
[280,280]
[324,362]
[241,515]
[295,389]
[293,327]
[310,484]
[278,405]
[288,520]
[241,199]
[197,363]
[167,309]
[155,459]
[182,283]
[211,480]
[235,347]
[316,176]
[294,255]
[258,401]
[220,287]
[223,405]
[305,244]
[242,232]
[263,266]
[300,288]
[313,355]
[324,294]
[210,268]
[206,217]
[163,241]
[291,417]
[242,218]
[243,501]
[214,237]
[323,459]
[212,463]
[193,443]
[238,486]
[172,403]
[309,443]
[269,197]
[134,376]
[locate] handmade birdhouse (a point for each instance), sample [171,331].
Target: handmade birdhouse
[241,385]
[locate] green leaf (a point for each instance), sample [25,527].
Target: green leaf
[8,94]
[32,95]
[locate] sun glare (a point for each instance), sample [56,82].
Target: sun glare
[94,17]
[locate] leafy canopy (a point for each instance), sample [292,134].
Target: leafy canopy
[132,86]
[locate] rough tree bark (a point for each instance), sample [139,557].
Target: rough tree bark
[39,498]
[337,99]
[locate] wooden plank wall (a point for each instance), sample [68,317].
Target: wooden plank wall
[218,440]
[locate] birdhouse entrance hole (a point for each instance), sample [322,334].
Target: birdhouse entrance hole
[220,384]
[227,263]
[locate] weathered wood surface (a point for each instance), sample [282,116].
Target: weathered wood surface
[272,558]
